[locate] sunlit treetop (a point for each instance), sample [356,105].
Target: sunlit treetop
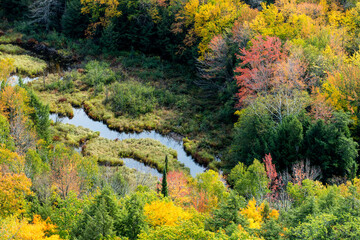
[101,12]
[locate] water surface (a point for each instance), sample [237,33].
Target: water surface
[82,119]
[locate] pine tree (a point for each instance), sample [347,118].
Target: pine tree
[164,189]
[40,116]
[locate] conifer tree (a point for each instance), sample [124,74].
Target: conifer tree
[164,189]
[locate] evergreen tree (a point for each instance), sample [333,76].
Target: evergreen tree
[164,189]
[98,220]
[330,146]
[73,22]
[287,142]
[40,116]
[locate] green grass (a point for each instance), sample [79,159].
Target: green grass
[149,151]
[26,65]
[11,49]
[72,135]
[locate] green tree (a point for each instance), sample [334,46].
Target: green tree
[40,116]
[331,147]
[227,214]
[164,189]
[250,182]
[73,22]
[97,220]
[286,143]
[131,219]
[14,9]
[251,138]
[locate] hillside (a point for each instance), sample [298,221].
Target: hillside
[172,120]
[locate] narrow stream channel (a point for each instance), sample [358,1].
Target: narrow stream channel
[82,119]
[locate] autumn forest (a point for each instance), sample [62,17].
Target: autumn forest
[179,119]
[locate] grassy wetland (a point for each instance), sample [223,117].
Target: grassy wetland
[133,97]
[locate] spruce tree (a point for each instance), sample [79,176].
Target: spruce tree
[40,116]
[164,189]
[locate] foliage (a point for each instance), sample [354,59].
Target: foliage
[100,11]
[132,98]
[186,230]
[98,73]
[37,229]
[257,214]
[164,213]
[208,19]
[251,181]
[13,190]
[209,190]
[6,68]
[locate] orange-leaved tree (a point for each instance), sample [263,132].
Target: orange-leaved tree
[258,65]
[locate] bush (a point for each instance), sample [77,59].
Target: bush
[66,84]
[132,98]
[98,73]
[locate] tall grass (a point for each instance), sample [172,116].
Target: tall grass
[146,150]
[72,135]
[11,49]
[27,65]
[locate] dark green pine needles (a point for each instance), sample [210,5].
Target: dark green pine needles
[164,189]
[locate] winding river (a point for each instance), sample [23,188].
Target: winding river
[82,119]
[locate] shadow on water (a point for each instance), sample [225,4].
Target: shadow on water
[82,119]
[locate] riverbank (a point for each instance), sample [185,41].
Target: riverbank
[71,89]
[109,145]
[174,106]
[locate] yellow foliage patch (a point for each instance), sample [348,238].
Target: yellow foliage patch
[161,213]
[14,228]
[255,215]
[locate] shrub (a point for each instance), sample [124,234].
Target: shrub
[98,73]
[133,98]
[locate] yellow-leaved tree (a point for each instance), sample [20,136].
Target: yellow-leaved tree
[6,68]
[13,190]
[101,12]
[162,212]
[256,214]
[206,19]
[13,228]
